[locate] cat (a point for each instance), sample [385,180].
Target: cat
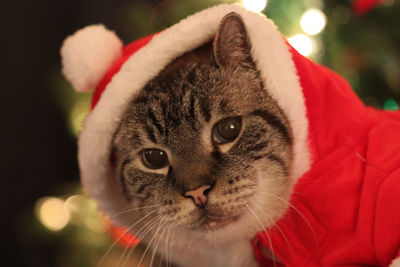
[223,146]
[205,153]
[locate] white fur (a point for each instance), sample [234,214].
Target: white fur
[271,56]
[198,254]
[395,263]
[87,55]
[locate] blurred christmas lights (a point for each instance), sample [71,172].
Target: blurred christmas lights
[74,206]
[93,219]
[51,213]
[302,43]
[55,214]
[255,5]
[318,48]
[77,115]
[390,104]
[313,21]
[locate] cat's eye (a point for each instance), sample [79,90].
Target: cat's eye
[154,158]
[227,130]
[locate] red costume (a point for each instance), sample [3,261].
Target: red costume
[346,208]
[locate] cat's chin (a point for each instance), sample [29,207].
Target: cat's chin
[219,232]
[214,224]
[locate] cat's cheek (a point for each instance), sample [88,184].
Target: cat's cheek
[272,196]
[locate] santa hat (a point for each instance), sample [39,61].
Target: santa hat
[93,58]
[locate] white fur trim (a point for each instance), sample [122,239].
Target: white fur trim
[87,55]
[272,58]
[395,263]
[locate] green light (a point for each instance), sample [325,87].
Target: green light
[390,104]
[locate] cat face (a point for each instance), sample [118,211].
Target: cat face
[203,145]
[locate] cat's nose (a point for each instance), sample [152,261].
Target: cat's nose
[199,195]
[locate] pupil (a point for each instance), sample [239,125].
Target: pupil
[155,158]
[228,129]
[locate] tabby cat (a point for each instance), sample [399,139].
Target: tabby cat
[203,154]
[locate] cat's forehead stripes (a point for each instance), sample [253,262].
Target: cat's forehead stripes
[150,134]
[155,122]
[178,102]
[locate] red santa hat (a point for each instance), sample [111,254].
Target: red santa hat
[93,58]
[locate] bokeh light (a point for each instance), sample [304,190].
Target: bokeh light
[302,43]
[391,104]
[77,115]
[313,21]
[318,48]
[74,205]
[255,5]
[51,213]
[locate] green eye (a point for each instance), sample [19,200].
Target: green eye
[154,158]
[227,130]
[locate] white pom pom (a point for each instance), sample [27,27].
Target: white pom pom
[87,55]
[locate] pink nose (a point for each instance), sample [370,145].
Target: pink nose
[198,195]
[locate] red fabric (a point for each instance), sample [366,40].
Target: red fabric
[361,7]
[345,210]
[128,51]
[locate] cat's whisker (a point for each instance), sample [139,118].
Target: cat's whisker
[300,213]
[142,233]
[166,231]
[166,226]
[153,253]
[151,241]
[274,224]
[265,231]
[171,247]
[284,237]
[119,238]
[138,236]
[134,209]
[167,244]
[123,253]
[137,233]
[158,241]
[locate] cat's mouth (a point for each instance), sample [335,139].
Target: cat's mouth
[214,223]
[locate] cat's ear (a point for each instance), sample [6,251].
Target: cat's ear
[231,44]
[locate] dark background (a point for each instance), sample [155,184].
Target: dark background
[38,152]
